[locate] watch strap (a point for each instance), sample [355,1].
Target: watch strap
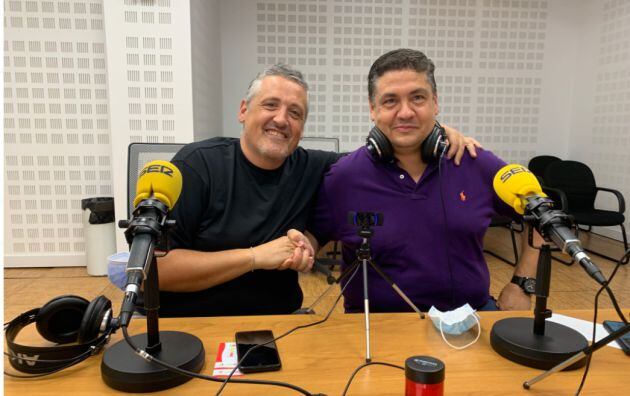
[520,281]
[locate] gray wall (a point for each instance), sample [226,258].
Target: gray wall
[600,128]
[523,77]
[205,32]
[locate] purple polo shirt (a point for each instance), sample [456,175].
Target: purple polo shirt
[430,243]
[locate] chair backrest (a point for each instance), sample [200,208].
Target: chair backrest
[139,155]
[538,165]
[576,180]
[320,143]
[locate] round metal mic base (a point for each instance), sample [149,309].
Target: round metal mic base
[122,369]
[514,339]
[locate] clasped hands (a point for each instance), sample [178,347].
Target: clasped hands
[293,251]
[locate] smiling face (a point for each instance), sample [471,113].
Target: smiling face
[273,121]
[404,107]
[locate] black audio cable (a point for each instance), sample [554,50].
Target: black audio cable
[330,311]
[148,357]
[596,307]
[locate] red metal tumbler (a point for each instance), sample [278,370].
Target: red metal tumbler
[424,376]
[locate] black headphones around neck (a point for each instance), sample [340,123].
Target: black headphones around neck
[62,320]
[431,149]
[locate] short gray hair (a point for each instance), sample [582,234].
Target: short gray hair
[276,70]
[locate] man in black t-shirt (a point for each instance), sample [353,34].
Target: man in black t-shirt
[239,241]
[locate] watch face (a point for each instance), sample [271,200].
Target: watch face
[529,285]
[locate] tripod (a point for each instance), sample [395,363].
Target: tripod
[365,221]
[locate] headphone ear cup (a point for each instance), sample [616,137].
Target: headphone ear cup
[92,319]
[379,146]
[433,145]
[59,320]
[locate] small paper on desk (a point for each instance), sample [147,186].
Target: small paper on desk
[584,327]
[226,360]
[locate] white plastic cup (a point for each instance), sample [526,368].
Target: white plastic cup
[116,266]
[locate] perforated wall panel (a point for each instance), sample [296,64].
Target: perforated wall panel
[610,137]
[56,127]
[489,56]
[149,61]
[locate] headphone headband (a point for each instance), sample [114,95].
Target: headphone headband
[43,360]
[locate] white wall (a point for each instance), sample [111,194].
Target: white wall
[56,128]
[84,78]
[523,77]
[601,122]
[205,25]
[501,66]
[238,57]
[150,81]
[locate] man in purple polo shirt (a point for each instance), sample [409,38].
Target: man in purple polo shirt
[435,214]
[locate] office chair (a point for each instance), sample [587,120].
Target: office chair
[324,265]
[320,143]
[538,164]
[574,183]
[507,222]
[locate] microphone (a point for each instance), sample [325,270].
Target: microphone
[518,187]
[160,180]
[157,190]
[130,364]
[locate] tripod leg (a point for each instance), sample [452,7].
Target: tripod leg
[343,275]
[396,289]
[366,309]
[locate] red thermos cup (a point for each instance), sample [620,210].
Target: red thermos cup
[424,376]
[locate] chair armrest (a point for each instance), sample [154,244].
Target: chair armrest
[622,202]
[564,202]
[518,226]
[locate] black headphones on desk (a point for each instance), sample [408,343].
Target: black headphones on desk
[431,150]
[62,320]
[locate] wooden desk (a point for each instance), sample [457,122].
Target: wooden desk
[321,359]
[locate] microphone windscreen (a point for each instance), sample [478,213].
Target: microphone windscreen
[513,183]
[160,180]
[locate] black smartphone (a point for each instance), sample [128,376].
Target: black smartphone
[624,341]
[264,358]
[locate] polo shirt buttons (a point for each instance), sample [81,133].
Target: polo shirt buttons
[401,176]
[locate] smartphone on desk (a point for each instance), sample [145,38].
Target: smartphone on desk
[624,341]
[263,358]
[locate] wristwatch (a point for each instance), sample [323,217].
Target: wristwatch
[527,284]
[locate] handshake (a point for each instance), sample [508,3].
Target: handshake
[293,251]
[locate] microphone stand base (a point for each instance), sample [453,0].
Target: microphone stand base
[514,339]
[122,369]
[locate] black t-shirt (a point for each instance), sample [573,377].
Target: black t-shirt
[229,203]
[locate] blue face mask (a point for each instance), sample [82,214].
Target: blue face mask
[455,322]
